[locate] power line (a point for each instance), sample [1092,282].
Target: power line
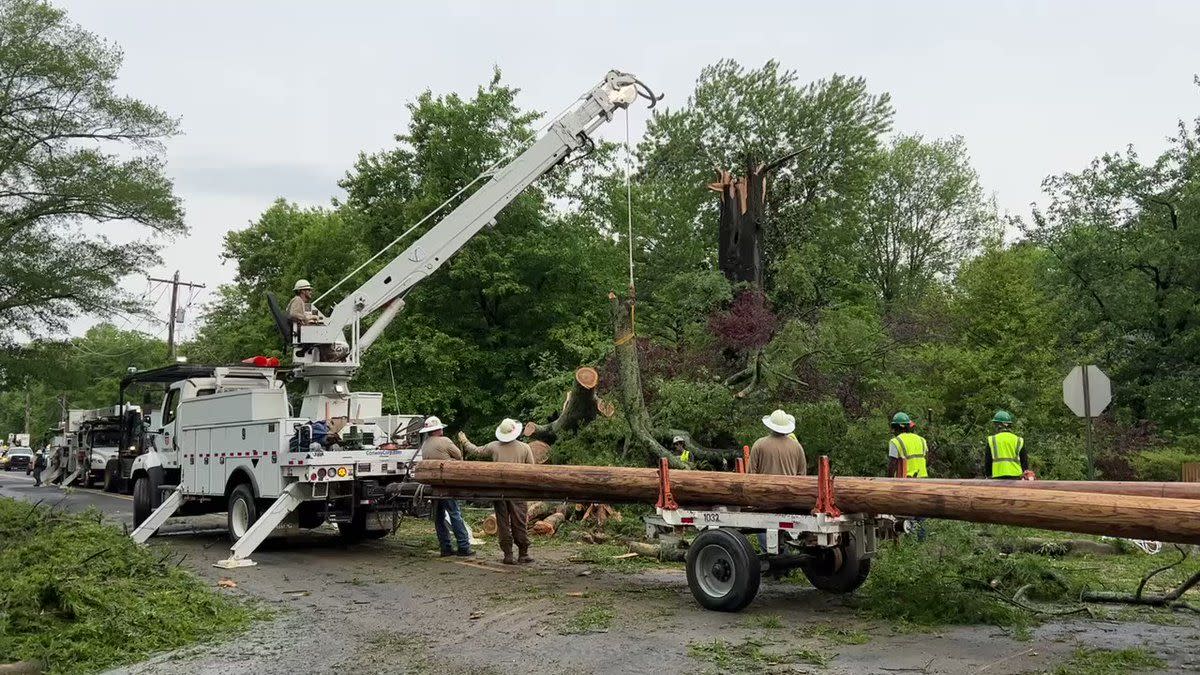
[172,318]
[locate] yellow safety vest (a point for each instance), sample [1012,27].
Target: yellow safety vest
[686,455]
[911,449]
[1006,454]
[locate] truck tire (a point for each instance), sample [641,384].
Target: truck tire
[357,530]
[142,491]
[111,478]
[838,570]
[242,511]
[723,572]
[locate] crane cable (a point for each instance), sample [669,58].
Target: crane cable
[627,337]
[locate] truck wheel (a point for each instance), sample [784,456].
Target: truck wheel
[141,500]
[357,530]
[110,478]
[723,572]
[243,511]
[838,570]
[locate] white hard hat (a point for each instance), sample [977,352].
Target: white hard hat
[432,423]
[302,285]
[780,422]
[678,439]
[508,430]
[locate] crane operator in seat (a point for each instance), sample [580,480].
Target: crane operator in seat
[300,310]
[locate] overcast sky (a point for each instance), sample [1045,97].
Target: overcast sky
[278,98]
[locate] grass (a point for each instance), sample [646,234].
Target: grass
[830,632]
[765,622]
[591,619]
[1110,662]
[80,596]
[750,656]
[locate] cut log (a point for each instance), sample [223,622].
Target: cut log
[549,525]
[535,511]
[1134,517]
[489,525]
[1137,488]
[579,407]
[541,451]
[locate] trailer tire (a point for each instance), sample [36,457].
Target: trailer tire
[111,477]
[723,571]
[838,571]
[242,511]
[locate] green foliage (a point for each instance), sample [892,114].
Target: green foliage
[686,404]
[1087,661]
[750,656]
[590,619]
[1165,464]
[82,597]
[74,152]
[85,370]
[954,577]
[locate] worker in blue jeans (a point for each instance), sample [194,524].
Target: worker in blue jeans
[446,514]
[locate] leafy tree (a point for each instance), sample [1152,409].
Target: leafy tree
[72,152]
[925,215]
[737,115]
[1123,233]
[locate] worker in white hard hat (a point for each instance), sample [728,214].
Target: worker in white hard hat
[778,453]
[679,446]
[301,309]
[434,447]
[512,516]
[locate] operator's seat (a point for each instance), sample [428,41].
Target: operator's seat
[283,322]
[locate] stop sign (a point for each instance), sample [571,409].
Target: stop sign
[1087,391]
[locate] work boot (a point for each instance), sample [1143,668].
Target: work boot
[524,558]
[446,553]
[465,553]
[508,558]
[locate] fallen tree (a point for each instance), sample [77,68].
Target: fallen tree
[1172,599]
[1134,517]
[580,406]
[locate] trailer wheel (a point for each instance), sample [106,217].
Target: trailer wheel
[110,477]
[141,500]
[723,572]
[242,512]
[838,570]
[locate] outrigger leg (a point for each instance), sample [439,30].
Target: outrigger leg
[159,516]
[262,528]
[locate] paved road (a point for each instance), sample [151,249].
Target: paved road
[394,606]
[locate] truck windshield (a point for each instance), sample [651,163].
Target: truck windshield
[106,438]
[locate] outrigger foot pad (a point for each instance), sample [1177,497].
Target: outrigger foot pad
[234,563]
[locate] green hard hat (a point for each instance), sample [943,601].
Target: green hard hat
[1002,417]
[901,419]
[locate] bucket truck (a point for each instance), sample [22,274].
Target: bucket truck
[226,437]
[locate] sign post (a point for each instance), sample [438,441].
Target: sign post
[1087,391]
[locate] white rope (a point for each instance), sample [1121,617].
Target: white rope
[629,197]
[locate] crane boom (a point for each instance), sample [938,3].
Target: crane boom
[424,256]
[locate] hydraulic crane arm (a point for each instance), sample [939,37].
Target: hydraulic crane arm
[443,240]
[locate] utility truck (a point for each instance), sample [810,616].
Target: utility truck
[97,436]
[227,439]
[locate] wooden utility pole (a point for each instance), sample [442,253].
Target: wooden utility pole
[172,318]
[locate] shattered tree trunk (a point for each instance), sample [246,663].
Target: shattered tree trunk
[739,246]
[580,406]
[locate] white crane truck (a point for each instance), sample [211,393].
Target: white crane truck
[226,437]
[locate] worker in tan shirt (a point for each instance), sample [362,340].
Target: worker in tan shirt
[437,447]
[511,515]
[778,454]
[300,309]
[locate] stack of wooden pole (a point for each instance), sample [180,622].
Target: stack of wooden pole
[1041,504]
